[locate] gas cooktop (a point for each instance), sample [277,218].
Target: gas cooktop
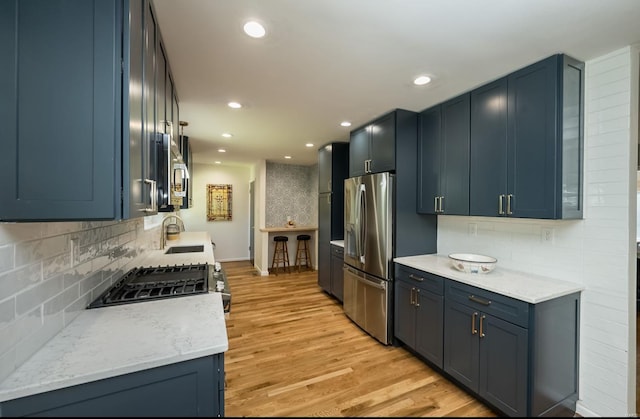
[153,283]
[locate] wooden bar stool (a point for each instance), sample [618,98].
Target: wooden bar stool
[302,252]
[280,254]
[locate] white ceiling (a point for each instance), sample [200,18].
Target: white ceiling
[325,61]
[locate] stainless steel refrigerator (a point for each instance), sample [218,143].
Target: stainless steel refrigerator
[368,238]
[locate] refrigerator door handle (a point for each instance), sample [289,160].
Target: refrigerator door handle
[362,221]
[376,284]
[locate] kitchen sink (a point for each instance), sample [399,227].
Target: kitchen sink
[185,249]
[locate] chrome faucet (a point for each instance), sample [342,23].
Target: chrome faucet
[163,229]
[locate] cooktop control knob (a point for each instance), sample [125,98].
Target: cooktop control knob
[217,267]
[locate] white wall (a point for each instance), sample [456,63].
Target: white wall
[598,251]
[231,237]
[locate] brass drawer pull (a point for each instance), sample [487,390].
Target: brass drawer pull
[481,324]
[473,323]
[479,300]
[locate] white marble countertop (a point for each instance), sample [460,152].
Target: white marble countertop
[186,238]
[338,242]
[111,341]
[107,342]
[516,284]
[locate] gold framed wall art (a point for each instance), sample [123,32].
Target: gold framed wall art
[219,200]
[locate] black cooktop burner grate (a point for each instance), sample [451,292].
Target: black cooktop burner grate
[143,284]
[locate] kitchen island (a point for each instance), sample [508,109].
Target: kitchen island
[131,359]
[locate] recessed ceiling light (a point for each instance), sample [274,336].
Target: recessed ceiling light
[287,157]
[254,29]
[422,80]
[234,105]
[226,135]
[309,145]
[217,162]
[222,150]
[345,123]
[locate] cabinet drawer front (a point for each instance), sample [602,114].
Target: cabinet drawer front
[506,308]
[337,251]
[420,279]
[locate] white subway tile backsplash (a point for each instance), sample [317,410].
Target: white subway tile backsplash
[13,282]
[49,327]
[6,258]
[50,272]
[7,312]
[19,329]
[36,295]
[62,300]
[36,250]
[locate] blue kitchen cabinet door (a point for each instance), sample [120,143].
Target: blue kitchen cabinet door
[372,148]
[488,155]
[443,158]
[429,326]
[383,144]
[461,344]
[404,313]
[504,349]
[429,133]
[419,311]
[487,355]
[324,267]
[337,274]
[76,145]
[359,144]
[527,142]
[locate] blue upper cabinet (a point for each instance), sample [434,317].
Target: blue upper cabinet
[527,142]
[443,158]
[78,109]
[488,163]
[372,147]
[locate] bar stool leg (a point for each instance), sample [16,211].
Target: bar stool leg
[285,249]
[307,255]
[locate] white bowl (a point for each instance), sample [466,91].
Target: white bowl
[472,263]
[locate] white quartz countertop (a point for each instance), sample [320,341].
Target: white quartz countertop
[111,341]
[186,238]
[516,284]
[106,342]
[338,242]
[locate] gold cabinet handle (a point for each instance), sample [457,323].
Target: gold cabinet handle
[417,298]
[416,278]
[473,323]
[481,321]
[411,296]
[479,300]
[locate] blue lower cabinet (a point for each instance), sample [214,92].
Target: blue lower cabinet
[519,358]
[419,313]
[185,389]
[488,356]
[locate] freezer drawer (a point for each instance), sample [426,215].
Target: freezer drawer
[366,303]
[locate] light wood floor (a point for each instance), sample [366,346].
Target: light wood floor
[292,352]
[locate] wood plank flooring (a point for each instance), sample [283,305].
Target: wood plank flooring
[292,352]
